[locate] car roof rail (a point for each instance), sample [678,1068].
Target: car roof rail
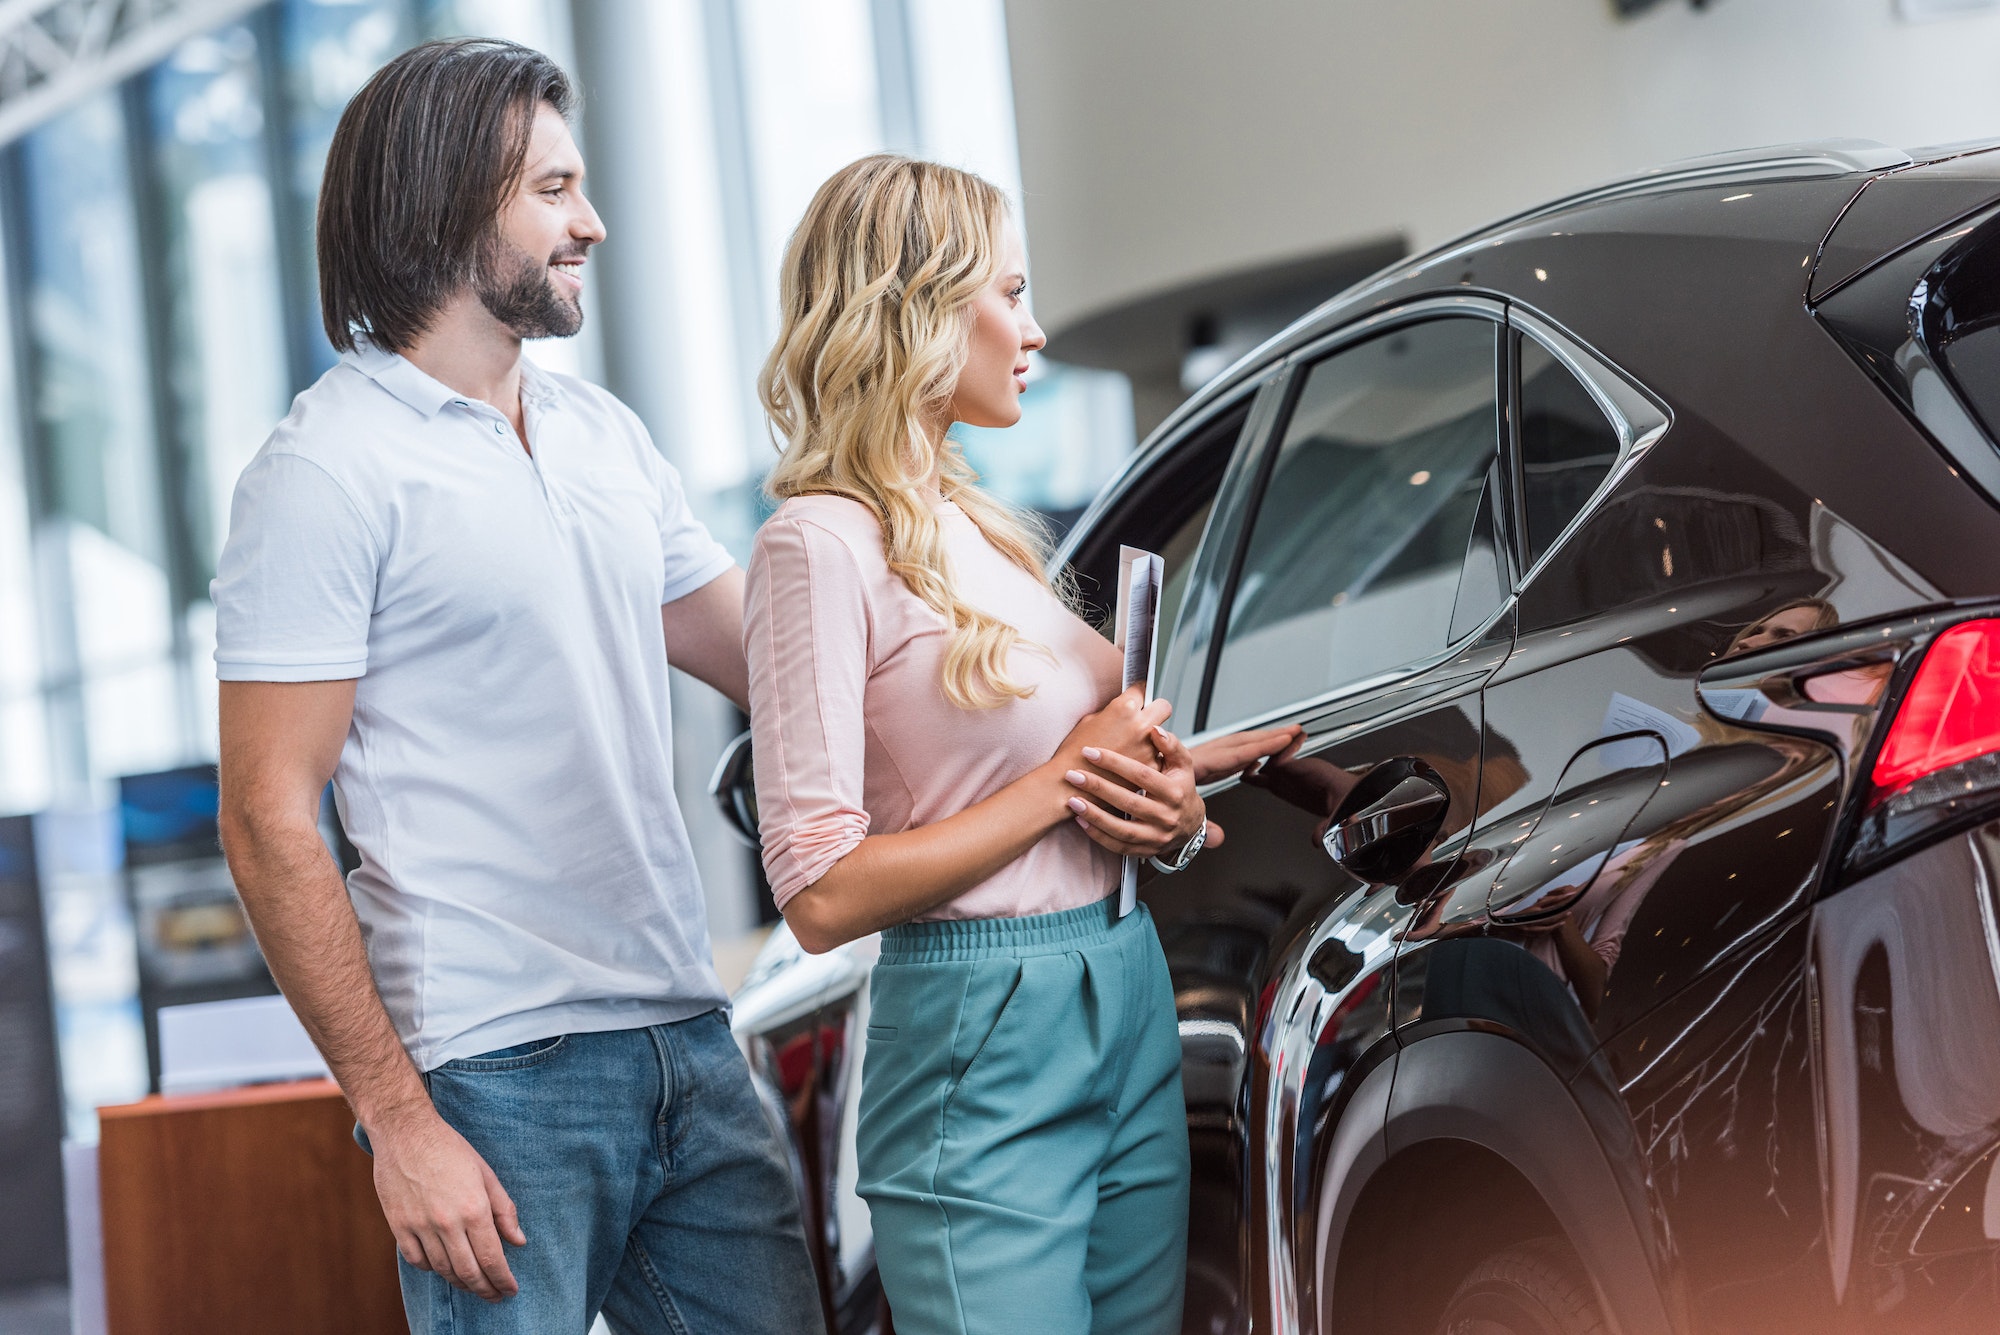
[1818,159]
[1821,158]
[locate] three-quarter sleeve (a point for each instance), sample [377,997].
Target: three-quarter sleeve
[806,636]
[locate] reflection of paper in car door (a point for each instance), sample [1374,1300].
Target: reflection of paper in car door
[1744,706]
[1628,715]
[1140,575]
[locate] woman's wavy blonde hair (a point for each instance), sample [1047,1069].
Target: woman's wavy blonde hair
[875,301]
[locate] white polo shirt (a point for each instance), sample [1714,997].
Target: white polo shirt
[508,778]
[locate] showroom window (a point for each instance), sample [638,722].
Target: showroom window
[1359,544]
[225,358]
[1568,447]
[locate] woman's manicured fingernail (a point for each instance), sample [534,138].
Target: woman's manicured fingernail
[1082,823]
[1076,804]
[1091,754]
[1076,776]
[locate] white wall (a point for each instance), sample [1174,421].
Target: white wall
[1169,140]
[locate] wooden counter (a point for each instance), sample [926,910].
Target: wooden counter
[244,1212]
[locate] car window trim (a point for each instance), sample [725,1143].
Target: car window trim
[1183,667]
[1142,460]
[1113,492]
[1257,476]
[1640,419]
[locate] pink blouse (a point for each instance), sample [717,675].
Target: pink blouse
[853,732]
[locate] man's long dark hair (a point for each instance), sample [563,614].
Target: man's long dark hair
[420,165]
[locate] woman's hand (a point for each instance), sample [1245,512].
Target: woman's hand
[1124,726]
[1161,806]
[1237,752]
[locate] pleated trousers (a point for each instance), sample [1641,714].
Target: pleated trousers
[1023,1139]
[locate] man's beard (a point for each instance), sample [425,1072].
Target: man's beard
[520,292]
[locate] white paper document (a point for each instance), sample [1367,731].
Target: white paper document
[1135,630]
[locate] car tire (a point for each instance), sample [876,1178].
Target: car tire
[1532,1288]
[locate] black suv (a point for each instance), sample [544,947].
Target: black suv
[1617,947]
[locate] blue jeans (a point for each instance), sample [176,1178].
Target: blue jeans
[647,1179]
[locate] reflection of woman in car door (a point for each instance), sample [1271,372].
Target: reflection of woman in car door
[941,744]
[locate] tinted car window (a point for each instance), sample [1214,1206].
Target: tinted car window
[1568,446]
[1360,539]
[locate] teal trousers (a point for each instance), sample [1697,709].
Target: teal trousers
[1023,1140]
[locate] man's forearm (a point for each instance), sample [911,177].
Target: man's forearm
[312,941]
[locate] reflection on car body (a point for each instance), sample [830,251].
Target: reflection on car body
[1582,952]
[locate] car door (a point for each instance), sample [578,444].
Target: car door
[1349,588]
[1641,879]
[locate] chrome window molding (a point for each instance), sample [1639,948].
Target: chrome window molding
[1161,444]
[1640,419]
[1178,431]
[1355,689]
[1184,666]
[1424,308]
[1197,653]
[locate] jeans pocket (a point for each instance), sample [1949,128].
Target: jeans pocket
[516,1058]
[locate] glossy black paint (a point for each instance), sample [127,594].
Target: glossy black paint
[1741,1157]
[1669,983]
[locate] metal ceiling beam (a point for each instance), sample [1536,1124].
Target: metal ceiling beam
[55,53]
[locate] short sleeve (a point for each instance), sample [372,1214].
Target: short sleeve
[295,586]
[806,637]
[691,555]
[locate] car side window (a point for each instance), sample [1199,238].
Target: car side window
[1164,511]
[1380,490]
[1568,446]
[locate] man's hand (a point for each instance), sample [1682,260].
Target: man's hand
[448,1211]
[280,742]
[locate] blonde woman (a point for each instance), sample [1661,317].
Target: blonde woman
[942,756]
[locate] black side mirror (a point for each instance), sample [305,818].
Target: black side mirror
[734,789]
[1389,820]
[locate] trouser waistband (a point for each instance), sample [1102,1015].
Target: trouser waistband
[978,938]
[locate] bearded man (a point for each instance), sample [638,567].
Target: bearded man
[453,583]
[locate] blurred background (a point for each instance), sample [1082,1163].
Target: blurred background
[1192,176]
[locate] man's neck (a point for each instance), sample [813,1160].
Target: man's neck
[467,350]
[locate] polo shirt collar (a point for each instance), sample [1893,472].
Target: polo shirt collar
[400,376]
[535,382]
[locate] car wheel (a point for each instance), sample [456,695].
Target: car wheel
[1532,1288]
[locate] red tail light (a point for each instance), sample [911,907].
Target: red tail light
[1952,710]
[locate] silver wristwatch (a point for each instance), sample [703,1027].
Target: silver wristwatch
[1186,855]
